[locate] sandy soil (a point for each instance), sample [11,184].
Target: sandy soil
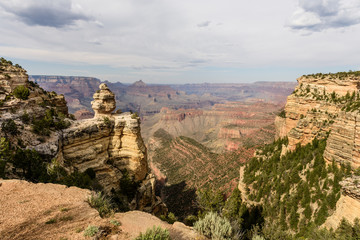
[52,211]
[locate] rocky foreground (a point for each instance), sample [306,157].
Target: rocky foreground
[52,211]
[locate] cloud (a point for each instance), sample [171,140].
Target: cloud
[204,24]
[318,15]
[57,14]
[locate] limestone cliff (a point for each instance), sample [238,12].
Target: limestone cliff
[321,104]
[327,106]
[109,145]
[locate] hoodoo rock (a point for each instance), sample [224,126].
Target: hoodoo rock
[104,101]
[111,145]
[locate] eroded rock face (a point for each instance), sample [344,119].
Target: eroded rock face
[318,106]
[104,101]
[11,77]
[106,146]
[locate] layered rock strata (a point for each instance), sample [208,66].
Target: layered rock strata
[328,105]
[107,146]
[104,101]
[110,144]
[324,105]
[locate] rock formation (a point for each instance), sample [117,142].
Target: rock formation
[327,106]
[109,144]
[104,101]
[320,105]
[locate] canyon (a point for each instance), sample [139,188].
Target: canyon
[109,145]
[323,106]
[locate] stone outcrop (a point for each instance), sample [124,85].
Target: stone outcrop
[110,143]
[11,77]
[351,187]
[328,105]
[108,146]
[104,101]
[321,105]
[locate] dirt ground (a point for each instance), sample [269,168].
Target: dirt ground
[52,211]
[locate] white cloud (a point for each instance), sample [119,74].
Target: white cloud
[48,13]
[149,36]
[318,15]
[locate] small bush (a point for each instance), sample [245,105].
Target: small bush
[90,231]
[107,122]
[25,118]
[9,127]
[282,114]
[101,203]
[115,222]
[21,92]
[170,218]
[190,220]
[156,233]
[134,115]
[51,221]
[214,226]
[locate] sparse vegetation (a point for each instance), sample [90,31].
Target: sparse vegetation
[101,203]
[21,92]
[51,121]
[339,75]
[25,118]
[155,233]
[51,221]
[107,122]
[282,114]
[115,222]
[214,226]
[9,127]
[299,189]
[170,218]
[135,115]
[90,231]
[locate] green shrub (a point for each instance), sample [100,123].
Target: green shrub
[115,222]
[214,226]
[134,115]
[21,92]
[107,122]
[190,220]
[282,114]
[9,127]
[51,221]
[90,231]
[156,233]
[170,218]
[25,118]
[101,203]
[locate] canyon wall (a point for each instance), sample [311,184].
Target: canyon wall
[110,143]
[324,104]
[327,105]
[227,126]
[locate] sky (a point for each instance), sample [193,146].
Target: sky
[186,41]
